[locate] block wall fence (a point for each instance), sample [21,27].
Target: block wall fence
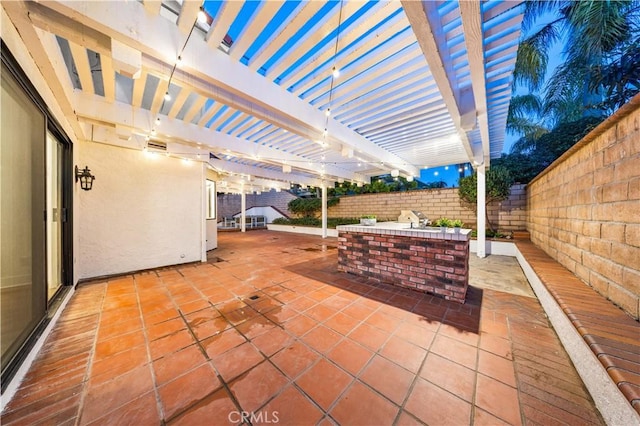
[584,209]
[230,204]
[508,215]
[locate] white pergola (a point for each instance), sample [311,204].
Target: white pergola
[251,89]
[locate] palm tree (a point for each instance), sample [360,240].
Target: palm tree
[602,40]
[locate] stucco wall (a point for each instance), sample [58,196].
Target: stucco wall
[584,210]
[143,211]
[508,215]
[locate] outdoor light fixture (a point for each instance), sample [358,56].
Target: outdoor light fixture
[85,177]
[395,173]
[167,96]
[335,72]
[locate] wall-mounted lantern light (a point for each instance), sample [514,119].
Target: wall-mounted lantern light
[85,177]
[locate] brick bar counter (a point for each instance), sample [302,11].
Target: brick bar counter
[420,259]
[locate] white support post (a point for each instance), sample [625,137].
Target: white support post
[243,213]
[324,211]
[481,208]
[203,230]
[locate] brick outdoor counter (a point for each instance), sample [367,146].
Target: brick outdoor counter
[420,259]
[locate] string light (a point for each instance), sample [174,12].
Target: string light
[334,72]
[202,17]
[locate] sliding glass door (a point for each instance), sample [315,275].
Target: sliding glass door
[35,228]
[56,215]
[22,226]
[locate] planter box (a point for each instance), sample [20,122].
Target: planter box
[301,229]
[368,222]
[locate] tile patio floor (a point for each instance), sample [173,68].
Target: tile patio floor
[193,345]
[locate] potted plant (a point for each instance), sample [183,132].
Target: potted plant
[457,224]
[443,223]
[368,219]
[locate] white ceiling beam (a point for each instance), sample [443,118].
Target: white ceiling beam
[214,74]
[195,109]
[347,37]
[280,177]
[209,113]
[33,49]
[245,126]
[222,21]
[359,69]
[499,8]
[95,108]
[81,61]
[178,103]
[108,77]
[265,14]
[427,28]
[158,97]
[188,15]
[269,49]
[138,88]
[418,83]
[314,36]
[152,7]
[223,117]
[474,40]
[239,118]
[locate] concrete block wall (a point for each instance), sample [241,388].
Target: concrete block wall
[230,204]
[509,215]
[584,210]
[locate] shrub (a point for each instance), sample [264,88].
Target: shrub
[309,207]
[498,188]
[332,222]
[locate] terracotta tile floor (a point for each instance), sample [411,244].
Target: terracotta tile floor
[269,327]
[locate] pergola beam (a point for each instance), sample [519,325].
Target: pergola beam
[472,25]
[217,74]
[95,108]
[427,28]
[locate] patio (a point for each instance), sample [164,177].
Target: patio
[270,328]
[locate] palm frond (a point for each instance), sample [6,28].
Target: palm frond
[525,105]
[534,9]
[595,28]
[532,59]
[524,126]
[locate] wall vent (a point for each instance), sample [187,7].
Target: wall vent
[157,145]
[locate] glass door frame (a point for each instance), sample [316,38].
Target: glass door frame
[54,127]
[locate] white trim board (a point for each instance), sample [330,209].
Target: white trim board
[301,230]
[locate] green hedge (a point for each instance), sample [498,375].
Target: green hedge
[315,222]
